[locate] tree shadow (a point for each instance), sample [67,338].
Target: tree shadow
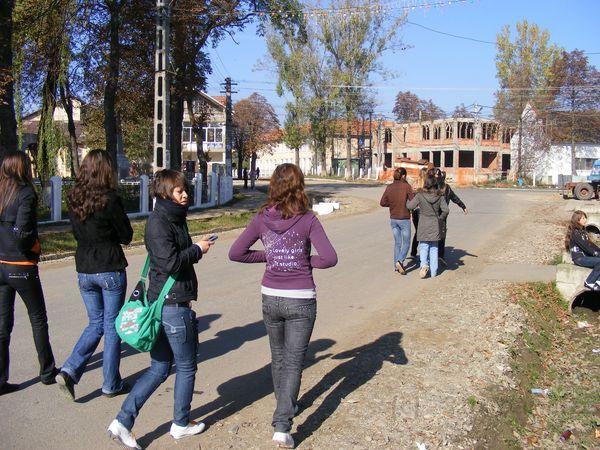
[365,362]
[240,392]
[454,258]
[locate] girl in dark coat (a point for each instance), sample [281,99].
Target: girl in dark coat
[449,196]
[19,255]
[584,252]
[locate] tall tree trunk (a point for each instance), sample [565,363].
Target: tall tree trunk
[111,126]
[198,130]
[573,165]
[252,170]
[176,125]
[240,169]
[46,131]
[348,174]
[297,156]
[67,103]
[323,158]
[8,122]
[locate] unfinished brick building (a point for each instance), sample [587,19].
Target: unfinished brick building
[469,150]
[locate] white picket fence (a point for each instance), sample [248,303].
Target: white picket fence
[220,191]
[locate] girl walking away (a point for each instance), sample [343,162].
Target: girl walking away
[395,197]
[100,226]
[171,252]
[584,252]
[433,211]
[19,255]
[449,196]
[415,213]
[287,229]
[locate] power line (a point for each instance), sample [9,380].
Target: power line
[450,34]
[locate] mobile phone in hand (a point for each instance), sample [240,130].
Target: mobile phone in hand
[213,237]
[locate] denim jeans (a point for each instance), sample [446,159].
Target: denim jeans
[415,243]
[103,295]
[593,262]
[25,281]
[289,323]
[401,232]
[177,342]
[428,253]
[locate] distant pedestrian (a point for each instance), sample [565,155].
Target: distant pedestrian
[245,176]
[395,197]
[433,210]
[583,251]
[100,226]
[415,213]
[19,255]
[171,252]
[257,173]
[287,229]
[449,196]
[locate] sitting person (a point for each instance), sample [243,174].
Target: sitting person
[584,252]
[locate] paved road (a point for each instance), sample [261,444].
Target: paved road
[232,338]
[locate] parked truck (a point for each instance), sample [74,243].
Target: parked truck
[585,190]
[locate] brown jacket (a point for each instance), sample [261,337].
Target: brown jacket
[395,197]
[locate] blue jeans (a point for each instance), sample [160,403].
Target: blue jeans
[592,262]
[289,323]
[401,232]
[177,342]
[428,253]
[103,295]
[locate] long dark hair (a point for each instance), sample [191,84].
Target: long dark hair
[573,225]
[430,186]
[96,178]
[286,191]
[15,173]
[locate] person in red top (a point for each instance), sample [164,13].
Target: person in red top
[395,197]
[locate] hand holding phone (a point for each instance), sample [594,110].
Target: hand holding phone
[213,237]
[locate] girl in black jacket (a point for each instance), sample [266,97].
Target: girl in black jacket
[449,196]
[19,255]
[171,252]
[584,252]
[100,226]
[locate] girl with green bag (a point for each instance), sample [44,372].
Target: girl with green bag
[171,252]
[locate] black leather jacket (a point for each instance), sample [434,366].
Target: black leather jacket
[171,252]
[18,228]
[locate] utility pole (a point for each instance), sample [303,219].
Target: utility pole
[370,139]
[229,127]
[162,155]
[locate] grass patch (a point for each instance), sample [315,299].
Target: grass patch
[550,353]
[64,242]
[556,259]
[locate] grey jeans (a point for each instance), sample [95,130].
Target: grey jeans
[289,323]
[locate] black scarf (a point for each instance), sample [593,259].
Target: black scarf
[174,211]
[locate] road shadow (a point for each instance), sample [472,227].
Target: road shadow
[224,342]
[454,258]
[240,392]
[364,363]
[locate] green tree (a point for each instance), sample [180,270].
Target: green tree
[294,132]
[576,100]
[8,123]
[524,67]
[355,42]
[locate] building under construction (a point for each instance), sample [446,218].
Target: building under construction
[468,149]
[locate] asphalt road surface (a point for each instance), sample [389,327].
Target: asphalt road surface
[232,337]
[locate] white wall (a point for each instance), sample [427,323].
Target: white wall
[557,160]
[280,154]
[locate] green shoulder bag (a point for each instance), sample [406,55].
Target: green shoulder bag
[138,323]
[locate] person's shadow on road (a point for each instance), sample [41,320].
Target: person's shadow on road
[365,362]
[454,258]
[240,392]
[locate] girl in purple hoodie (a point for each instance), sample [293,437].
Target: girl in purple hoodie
[287,228]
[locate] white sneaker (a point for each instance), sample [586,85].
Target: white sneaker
[423,271]
[283,440]
[119,433]
[192,428]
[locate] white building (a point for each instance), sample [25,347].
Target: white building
[268,160]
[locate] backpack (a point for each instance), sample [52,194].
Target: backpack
[138,323]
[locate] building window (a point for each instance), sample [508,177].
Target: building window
[425,132]
[448,158]
[404,134]
[388,136]
[186,135]
[448,131]
[437,132]
[465,130]
[584,163]
[489,131]
[507,134]
[466,158]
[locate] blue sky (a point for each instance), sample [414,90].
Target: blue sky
[447,70]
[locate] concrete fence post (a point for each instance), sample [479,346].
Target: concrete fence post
[369,172]
[198,190]
[211,189]
[144,194]
[55,198]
